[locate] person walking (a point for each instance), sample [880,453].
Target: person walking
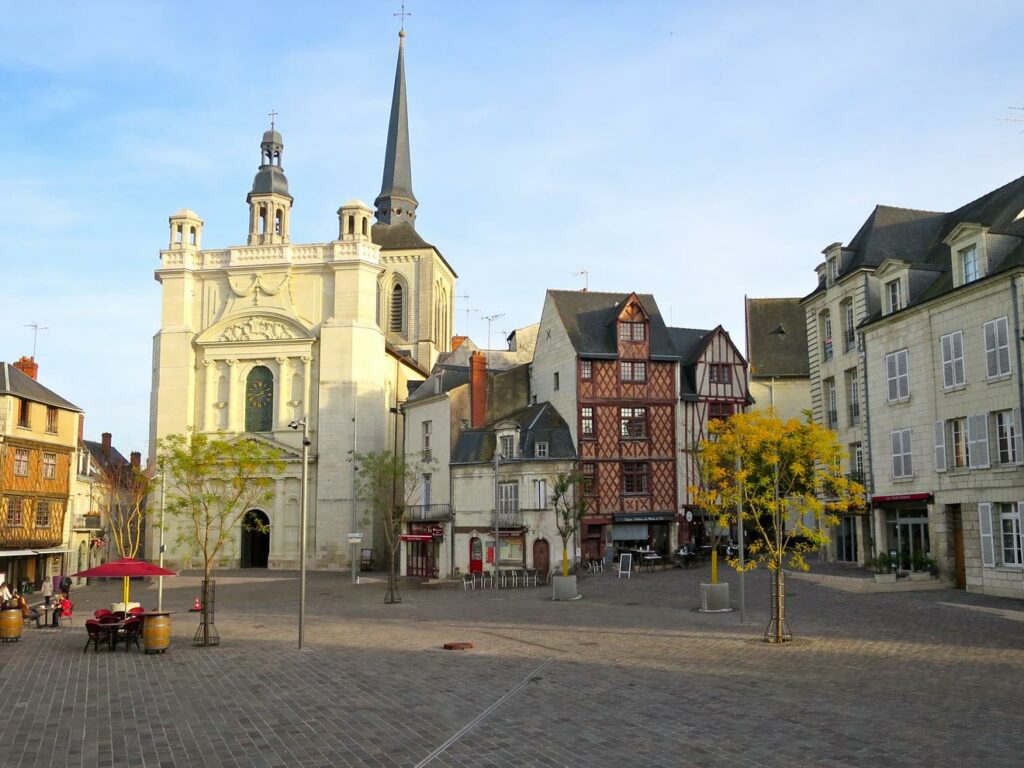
[5,593]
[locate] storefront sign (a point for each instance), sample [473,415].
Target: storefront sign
[646,517]
[437,532]
[417,537]
[901,497]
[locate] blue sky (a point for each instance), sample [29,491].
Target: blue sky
[697,151]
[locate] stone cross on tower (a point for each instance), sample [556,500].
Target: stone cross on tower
[402,13]
[272,114]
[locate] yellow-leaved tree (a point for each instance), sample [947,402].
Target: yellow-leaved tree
[787,479]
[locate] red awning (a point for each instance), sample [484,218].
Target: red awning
[417,537]
[901,497]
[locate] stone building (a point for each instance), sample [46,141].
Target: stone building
[257,336]
[936,306]
[777,356]
[38,434]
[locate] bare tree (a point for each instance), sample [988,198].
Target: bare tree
[123,489]
[388,483]
[211,483]
[570,506]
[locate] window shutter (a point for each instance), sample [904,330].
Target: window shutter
[897,454]
[904,378]
[977,439]
[890,373]
[988,555]
[958,358]
[947,362]
[1003,345]
[908,456]
[940,446]
[1018,438]
[990,349]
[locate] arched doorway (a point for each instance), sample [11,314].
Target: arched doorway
[255,539]
[541,556]
[476,557]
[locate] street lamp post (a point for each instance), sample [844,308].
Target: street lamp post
[302,424]
[160,582]
[497,548]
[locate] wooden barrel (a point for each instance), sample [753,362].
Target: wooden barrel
[156,633]
[10,624]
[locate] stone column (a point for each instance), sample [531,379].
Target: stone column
[281,385]
[209,396]
[236,396]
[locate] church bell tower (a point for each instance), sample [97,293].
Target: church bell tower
[270,204]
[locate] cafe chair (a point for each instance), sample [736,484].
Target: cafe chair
[99,613]
[131,632]
[468,582]
[136,610]
[98,633]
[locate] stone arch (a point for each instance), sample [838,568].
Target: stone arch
[255,543]
[259,400]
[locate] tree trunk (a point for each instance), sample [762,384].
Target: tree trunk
[206,635]
[392,595]
[778,627]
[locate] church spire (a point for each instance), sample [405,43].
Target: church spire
[396,202]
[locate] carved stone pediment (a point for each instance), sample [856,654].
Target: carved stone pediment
[256,329]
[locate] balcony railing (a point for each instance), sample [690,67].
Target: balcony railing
[510,519]
[86,522]
[428,512]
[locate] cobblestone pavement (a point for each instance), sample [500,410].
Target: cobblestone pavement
[630,675]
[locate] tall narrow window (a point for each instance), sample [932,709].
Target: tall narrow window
[894,296]
[428,428]
[42,513]
[853,396]
[586,421]
[426,488]
[952,345]
[1007,437]
[826,335]
[959,445]
[397,324]
[14,510]
[49,466]
[259,400]
[508,446]
[997,348]
[969,263]
[849,329]
[51,419]
[902,462]
[21,462]
[897,375]
[277,222]
[588,477]
[23,413]
[1009,523]
[831,406]
[508,497]
[586,370]
[540,494]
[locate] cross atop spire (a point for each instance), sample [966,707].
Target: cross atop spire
[396,203]
[272,114]
[402,13]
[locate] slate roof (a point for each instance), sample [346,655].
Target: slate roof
[589,319]
[113,459]
[777,338]
[917,237]
[443,379]
[538,423]
[400,236]
[14,382]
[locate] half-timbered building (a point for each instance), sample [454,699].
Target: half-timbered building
[713,384]
[38,434]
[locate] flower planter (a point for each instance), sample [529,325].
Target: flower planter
[564,588]
[714,598]
[885,578]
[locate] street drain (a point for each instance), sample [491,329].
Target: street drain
[457,646]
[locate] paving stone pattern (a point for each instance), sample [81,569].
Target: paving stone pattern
[631,675]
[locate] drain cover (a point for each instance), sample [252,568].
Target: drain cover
[458,646]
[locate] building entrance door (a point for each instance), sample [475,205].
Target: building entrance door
[846,539]
[420,557]
[541,556]
[476,556]
[908,536]
[956,525]
[255,539]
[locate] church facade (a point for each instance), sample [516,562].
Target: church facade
[256,337]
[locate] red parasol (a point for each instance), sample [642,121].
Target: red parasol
[124,568]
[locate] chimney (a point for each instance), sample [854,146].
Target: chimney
[136,459]
[81,428]
[457,341]
[28,366]
[106,443]
[477,389]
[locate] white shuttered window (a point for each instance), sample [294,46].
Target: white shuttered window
[977,440]
[940,446]
[997,348]
[988,555]
[897,375]
[902,465]
[953,360]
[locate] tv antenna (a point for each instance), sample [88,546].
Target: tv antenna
[586,279]
[467,310]
[36,328]
[1012,119]
[490,319]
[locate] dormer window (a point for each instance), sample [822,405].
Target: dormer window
[631,332]
[894,296]
[833,269]
[969,263]
[507,446]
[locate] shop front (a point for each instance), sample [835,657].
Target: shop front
[904,530]
[642,530]
[423,545]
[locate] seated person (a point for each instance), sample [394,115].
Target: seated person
[63,608]
[26,611]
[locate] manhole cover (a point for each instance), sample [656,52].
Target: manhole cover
[458,646]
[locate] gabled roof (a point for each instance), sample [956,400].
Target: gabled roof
[111,460]
[916,237]
[538,423]
[443,379]
[589,320]
[777,338]
[14,382]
